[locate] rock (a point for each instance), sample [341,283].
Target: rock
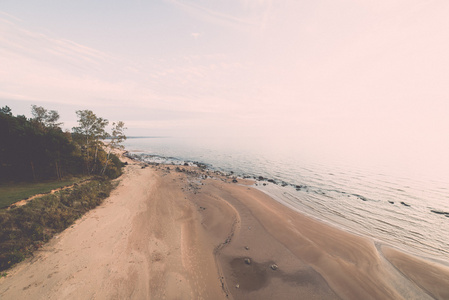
[391,202]
[246,248]
[186,164]
[234,180]
[261,178]
[405,204]
[247,261]
[360,197]
[272,181]
[274,267]
[264,184]
[201,166]
[440,212]
[237,286]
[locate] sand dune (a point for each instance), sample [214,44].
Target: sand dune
[165,234]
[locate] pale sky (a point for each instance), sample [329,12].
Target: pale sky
[347,75]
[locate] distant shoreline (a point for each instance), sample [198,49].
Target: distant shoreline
[148,137]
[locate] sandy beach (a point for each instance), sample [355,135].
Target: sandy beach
[172,232]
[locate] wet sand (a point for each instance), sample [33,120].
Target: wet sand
[188,234]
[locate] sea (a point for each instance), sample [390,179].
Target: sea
[389,206]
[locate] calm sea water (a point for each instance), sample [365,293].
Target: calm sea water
[378,202]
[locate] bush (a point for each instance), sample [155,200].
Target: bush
[114,169]
[24,228]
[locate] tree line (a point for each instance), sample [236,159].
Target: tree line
[36,148]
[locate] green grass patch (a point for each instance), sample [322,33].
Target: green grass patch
[11,193]
[26,228]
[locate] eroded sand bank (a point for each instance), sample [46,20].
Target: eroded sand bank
[165,234]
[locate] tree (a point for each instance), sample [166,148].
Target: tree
[31,151]
[45,118]
[90,132]
[118,135]
[6,110]
[117,138]
[37,149]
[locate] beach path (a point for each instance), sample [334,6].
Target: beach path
[141,243]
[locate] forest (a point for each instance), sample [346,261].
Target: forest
[36,149]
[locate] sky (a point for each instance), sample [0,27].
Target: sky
[359,78]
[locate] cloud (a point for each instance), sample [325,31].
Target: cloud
[313,67]
[9,16]
[213,15]
[40,68]
[195,35]
[17,40]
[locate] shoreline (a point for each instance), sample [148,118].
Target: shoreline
[406,249]
[306,196]
[179,232]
